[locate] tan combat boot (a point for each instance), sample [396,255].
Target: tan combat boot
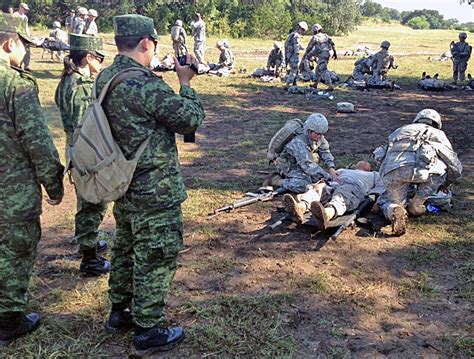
[398,217]
[294,208]
[321,214]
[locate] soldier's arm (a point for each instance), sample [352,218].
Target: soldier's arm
[181,113]
[446,153]
[36,140]
[325,154]
[80,100]
[305,160]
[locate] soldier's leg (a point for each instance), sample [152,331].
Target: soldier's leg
[455,71]
[89,216]
[176,49]
[462,70]
[27,59]
[157,240]
[198,52]
[18,245]
[296,184]
[293,75]
[121,275]
[416,206]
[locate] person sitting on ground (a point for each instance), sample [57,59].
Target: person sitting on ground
[297,164]
[276,59]
[226,59]
[420,154]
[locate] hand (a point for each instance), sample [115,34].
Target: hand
[54,202]
[334,56]
[185,73]
[334,175]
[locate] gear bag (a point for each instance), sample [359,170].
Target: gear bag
[291,128]
[100,171]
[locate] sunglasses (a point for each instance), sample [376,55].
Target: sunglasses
[98,58]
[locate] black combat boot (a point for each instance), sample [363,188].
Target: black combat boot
[16,326]
[120,319]
[93,265]
[157,339]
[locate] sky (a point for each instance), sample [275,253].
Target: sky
[448,8]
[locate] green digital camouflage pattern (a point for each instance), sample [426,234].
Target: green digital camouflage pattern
[73,96]
[134,25]
[144,106]
[145,260]
[85,43]
[29,157]
[18,244]
[14,24]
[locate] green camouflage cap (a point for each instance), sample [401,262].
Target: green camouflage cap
[86,43]
[16,25]
[134,25]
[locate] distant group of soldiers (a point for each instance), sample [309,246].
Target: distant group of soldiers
[82,21]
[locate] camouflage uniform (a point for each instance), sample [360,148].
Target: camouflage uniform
[178,36]
[149,231]
[417,154]
[362,67]
[73,96]
[292,53]
[276,59]
[382,61]
[319,47]
[29,159]
[461,52]
[199,33]
[27,58]
[298,166]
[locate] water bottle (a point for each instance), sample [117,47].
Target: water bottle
[431,208]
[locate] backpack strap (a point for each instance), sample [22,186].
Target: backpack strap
[115,80]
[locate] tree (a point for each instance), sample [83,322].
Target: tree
[418,23]
[371,9]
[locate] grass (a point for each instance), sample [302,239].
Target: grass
[259,317]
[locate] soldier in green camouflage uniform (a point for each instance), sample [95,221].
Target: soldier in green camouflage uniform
[149,232]
[73,96]
[29,159]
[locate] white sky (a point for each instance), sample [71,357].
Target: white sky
[448,8]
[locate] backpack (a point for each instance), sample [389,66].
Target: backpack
[291,128]
[175,33]
[99,170]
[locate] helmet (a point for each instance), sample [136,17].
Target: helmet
[317,123]
[462,35]
[277,45]
[385,44]
[316,28]
[56,24]
[226,43]
[303,25]
[178,23]
[430,117]
[93,12]
[82,10]
[220,44]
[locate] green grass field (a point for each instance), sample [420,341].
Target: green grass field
[242,291]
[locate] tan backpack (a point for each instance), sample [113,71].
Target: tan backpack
[100,171]
[291,128]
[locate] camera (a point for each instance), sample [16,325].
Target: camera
[189,137]
[182,62]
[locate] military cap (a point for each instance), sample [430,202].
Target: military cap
[16,25]
[86,43]
[134,25]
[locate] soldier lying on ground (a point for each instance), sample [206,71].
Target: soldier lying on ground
[429,83]
[297,164]
[327,202]
[420,154]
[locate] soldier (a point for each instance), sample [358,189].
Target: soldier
[297,164]
[292,52]
[73,96]
[80,20]
[199,33]
[276,59]
[29,160]
[21,13]
[420,154]
[149,221]
[226,59]
[461,52]
[354,185]
[320,47]
[59,38]
[91,25]
[362,67]
[69,22]
[382,61]
[178,36]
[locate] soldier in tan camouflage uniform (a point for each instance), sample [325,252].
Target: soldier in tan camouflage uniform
[292,52]
[382,62]
[276,59]
[178,37]
[29,160]
[461,52]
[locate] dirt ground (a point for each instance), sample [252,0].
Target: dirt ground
[364,295]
